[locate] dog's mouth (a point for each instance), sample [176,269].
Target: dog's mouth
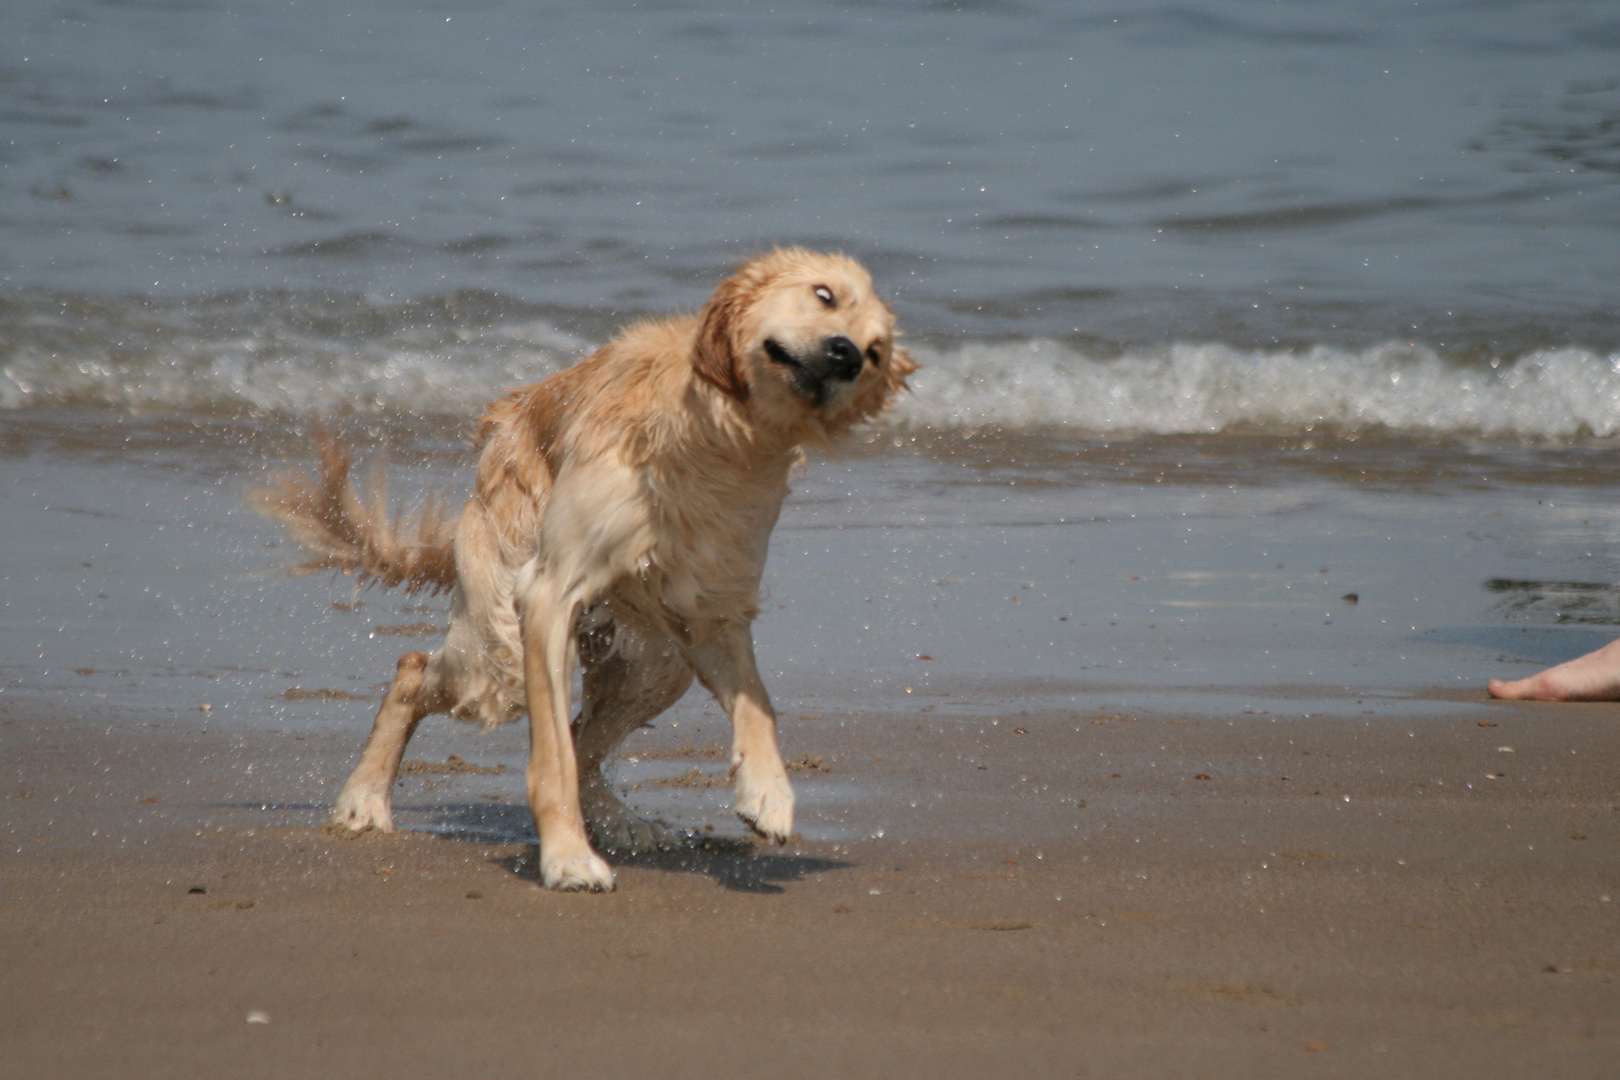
[805,382]
[774,350]
[838,361]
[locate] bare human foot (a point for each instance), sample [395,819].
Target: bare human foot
[1593,677]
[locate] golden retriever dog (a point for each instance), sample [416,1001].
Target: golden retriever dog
[619,520]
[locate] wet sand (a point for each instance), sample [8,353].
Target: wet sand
[1411,900]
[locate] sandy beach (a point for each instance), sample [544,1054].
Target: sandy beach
[1397,896]
[1138,791]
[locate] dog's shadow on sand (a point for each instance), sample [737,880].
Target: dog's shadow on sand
[733,863]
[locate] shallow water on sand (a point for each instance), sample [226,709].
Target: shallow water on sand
[946,582]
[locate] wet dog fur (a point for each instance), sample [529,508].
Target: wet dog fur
[619,520]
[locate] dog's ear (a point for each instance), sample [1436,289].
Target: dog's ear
[714,356]
[900,365]
[879,394]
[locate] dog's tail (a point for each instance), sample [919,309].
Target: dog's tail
[353,534]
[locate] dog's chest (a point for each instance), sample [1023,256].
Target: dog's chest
[692,543]
[710,543]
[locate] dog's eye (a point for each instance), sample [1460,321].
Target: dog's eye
[875,355]
[825,295]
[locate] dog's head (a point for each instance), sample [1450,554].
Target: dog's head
[802,341]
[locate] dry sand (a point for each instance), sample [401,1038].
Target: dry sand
[1412,900]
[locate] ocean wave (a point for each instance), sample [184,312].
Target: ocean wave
[239,356]
[382,359]
[1206,388]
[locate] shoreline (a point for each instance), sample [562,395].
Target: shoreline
[1017,675]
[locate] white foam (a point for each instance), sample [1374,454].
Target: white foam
[297,373]
[282,368]
[1193,388]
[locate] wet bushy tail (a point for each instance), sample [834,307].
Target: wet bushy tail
[345,531]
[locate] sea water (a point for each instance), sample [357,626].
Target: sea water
[1271,351]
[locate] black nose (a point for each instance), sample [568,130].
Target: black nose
[843,359]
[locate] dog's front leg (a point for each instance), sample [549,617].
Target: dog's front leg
[566,859]
[726,666]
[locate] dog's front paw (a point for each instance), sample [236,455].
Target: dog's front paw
[585,872]
[766,803]
[358,811]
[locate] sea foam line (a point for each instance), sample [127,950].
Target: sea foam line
[1202,388]
[1190,388]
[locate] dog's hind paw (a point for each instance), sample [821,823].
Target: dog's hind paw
[624,833]
[581,873]
[767,808]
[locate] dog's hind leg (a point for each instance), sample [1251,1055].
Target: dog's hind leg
[640,678]
[366,800]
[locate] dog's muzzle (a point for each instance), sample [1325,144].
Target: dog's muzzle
[838,360]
